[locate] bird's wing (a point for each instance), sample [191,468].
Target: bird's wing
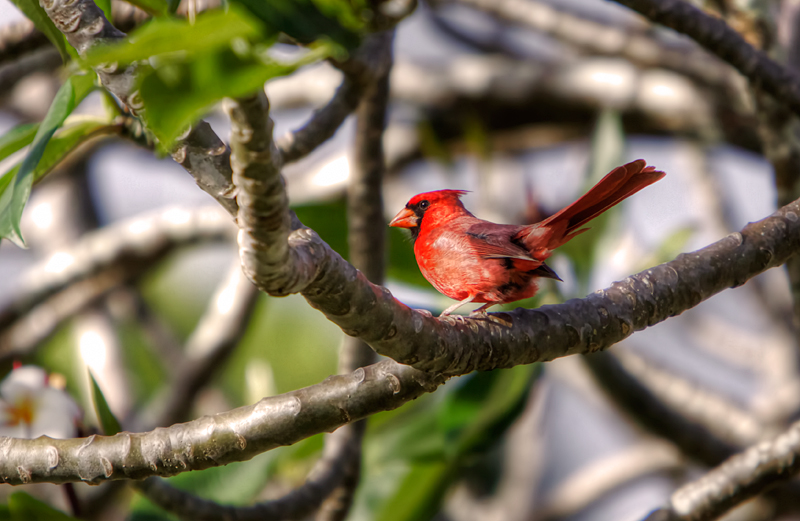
[493,241]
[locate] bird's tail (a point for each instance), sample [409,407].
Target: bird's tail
[619,184]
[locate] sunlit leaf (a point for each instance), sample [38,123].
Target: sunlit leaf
[24,507]
[108,421]
[14,197]
[178,94]
[305,22]
[38,16]
[212,30]
[17,138]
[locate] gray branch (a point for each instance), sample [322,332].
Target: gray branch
[716,36]
[211,441]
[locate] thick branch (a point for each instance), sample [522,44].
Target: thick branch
[457,346]
[211,441]
[716,36]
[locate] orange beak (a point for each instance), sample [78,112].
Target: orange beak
[405,219]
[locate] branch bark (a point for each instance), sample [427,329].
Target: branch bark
[211,441]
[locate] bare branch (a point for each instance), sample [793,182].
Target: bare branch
[368,63]
[211,441]
[597,38]
[716,36]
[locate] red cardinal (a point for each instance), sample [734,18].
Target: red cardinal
[472,260]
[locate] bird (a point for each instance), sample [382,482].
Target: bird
[472,260]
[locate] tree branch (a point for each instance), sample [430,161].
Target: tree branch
[716,36]
[211,441]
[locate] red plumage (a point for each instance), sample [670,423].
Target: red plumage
[472,260]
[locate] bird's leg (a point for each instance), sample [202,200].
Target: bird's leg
[482,310]
[457,305]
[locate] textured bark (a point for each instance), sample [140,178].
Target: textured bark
[211,441]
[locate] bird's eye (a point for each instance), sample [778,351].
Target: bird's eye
[423,205]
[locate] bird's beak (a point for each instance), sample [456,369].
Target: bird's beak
[405,219]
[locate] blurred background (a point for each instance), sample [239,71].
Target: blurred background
[526,104]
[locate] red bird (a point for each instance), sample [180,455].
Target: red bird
[472,260]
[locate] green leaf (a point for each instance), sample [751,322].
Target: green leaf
[176,95]
[420,494]
[108,421]
[483,406]
[211,31]
[56,149]
[13,200]
[38,16]
[17,138]
[304,21]
[24,507]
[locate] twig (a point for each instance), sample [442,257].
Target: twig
[368,63]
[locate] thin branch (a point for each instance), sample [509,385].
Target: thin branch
[648,409]
[598,38]
[72,278]
[211,441]
[367,63]
[716,36]
[740,478]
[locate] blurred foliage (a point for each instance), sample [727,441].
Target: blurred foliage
[24,507]
[413,455]
[15,186]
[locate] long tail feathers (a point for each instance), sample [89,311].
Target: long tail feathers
[619,184]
